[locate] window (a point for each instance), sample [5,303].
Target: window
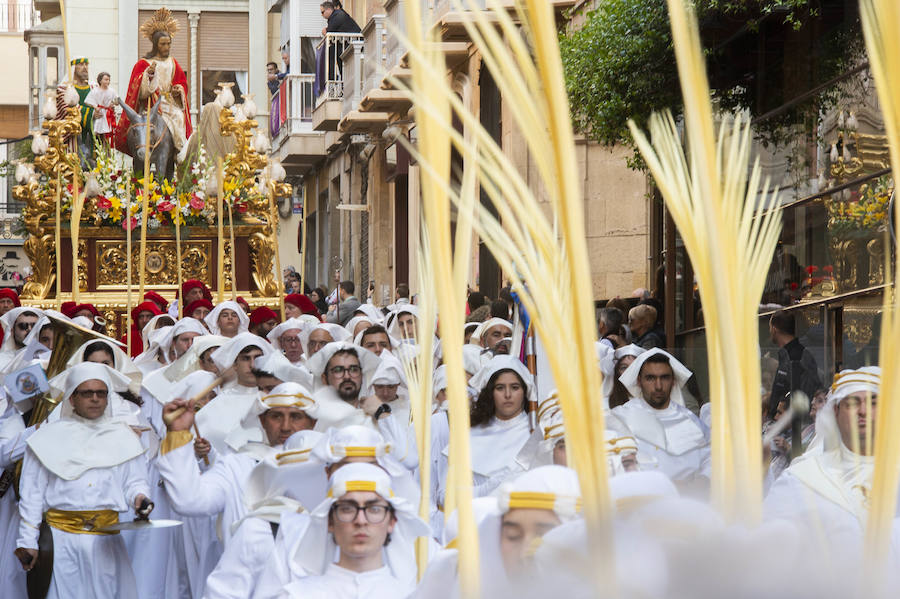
[210,80]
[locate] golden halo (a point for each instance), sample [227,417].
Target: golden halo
[162,20]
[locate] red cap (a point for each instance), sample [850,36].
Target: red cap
[76,309]
[157,299]
[243,303]
[194,283]
[305,304]
[11,294]
[200,303]
[261,315]
[66,308]
[144,307]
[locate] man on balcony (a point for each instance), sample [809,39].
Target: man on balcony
[338,22]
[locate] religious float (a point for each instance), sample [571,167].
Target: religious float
[102,232]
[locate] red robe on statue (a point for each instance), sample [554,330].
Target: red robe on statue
[131,98]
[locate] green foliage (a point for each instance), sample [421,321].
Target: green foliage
[620,63]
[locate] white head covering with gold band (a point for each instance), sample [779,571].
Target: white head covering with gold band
[72,445]
[553,488]
[289,395]
[866,380]
[356,441]
[316,550]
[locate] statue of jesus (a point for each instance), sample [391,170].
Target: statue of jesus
[159,74]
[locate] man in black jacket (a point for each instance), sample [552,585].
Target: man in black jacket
[338,22]
[797,369]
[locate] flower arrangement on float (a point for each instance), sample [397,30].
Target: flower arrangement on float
[865,210]
[113,190]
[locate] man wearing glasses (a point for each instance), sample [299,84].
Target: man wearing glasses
[286,338]
[370,529]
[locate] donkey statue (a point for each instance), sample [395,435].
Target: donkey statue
[162,146]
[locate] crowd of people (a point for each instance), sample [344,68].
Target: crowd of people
[286,448]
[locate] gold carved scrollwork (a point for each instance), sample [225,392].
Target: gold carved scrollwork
[40,206]
[228,266]
[41,253]
[82,265]
[262,255]
[161,260]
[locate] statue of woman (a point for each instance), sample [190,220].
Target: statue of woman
[159,74]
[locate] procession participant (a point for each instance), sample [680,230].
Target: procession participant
[826,492]
[370,312]
[371,531]
[262,321]
[191,291]
[297,304]
[270,494]
[527,508]
[9,299]
[219,490]
[77,498]
[673,439]
[16,323]
[622,359]
[403,323]
[376,340]
[161,302]
[491,334]
[342,371]
[227,319]
[274,369]
[285,337]
[357,325]
[388,387]
[315,338]
[107,352]
[38,347]
[468,330]
[337,448]
[154,357]
[199,309]
[500,426]
[245,306]
[228,422]
[140,317]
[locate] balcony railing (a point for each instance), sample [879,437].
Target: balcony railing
[329,76]
[18,16]
[394,47]
[375,61]
[291,107]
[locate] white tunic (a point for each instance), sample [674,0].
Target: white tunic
[13,435]
[281,569]
[219,490]
[340,583]
[672,440]
[84,565]
[101,99]
[229,421]
[827,496]
[239,569]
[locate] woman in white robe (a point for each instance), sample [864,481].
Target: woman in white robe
[79,473]
[500,425]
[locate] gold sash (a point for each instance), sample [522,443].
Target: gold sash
[82,522]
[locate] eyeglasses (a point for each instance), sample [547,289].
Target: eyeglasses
[347,511]
[340,371]
[89,393]
[25,326]
[289,340]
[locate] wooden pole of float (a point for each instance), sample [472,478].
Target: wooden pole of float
[145,203]
[221,260]
[233,256]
